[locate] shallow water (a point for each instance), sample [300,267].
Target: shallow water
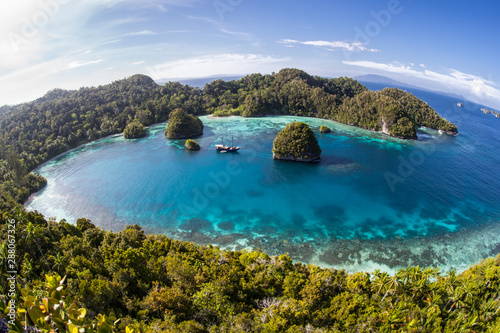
[372,202]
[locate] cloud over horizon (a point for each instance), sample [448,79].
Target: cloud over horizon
[473,87]
[218,64]
[349,46]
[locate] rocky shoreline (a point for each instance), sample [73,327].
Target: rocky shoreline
[313,159]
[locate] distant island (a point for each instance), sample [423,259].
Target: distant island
[388,82]
[493,112]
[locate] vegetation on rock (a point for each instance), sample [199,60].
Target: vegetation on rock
[158,284]
[192,145]
[134,130]
[33,133]
[183,125]
[296,142]
[324,129]
[419,111]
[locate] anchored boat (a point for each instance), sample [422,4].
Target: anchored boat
[227,149]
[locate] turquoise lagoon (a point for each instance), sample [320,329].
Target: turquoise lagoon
[372,202]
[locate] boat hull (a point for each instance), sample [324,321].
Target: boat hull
[226,149]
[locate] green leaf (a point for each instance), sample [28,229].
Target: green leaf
[72,328]
[105,328]
[82,313]
[35,313]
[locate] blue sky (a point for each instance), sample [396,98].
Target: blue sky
[448,46]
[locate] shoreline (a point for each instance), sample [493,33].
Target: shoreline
[322,252]
[448,251]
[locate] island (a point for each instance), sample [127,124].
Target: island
[324,129]
[192,145]
[134,130]
[493,112]
[291,91]
[182,125]
[91,278]
[296,142]
[35,132]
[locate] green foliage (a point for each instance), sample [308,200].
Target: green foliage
[56,312]
[15,184]
[134,130]
[192,145]
[296,142]
[158,284]
[183,125]
[33,133]
[324,129]
[375,111]
[419,111]
[211,303]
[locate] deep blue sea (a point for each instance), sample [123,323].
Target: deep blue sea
[372,202]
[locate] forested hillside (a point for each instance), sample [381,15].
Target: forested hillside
[156,284]
[33,133]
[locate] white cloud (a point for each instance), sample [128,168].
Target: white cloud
[14,13]
[470,86]
[30,82]
[237,34]
[76,64]
[138,63]
[158,4]
[220,64]
[205,19]
[31,29]
[142,33]
[349,46]
[126,20]
[220,26]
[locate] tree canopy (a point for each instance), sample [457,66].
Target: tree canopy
[192,145]
[296,142]
[157,284]
[134,130]
[183,125]
[33,133]
[153,283]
